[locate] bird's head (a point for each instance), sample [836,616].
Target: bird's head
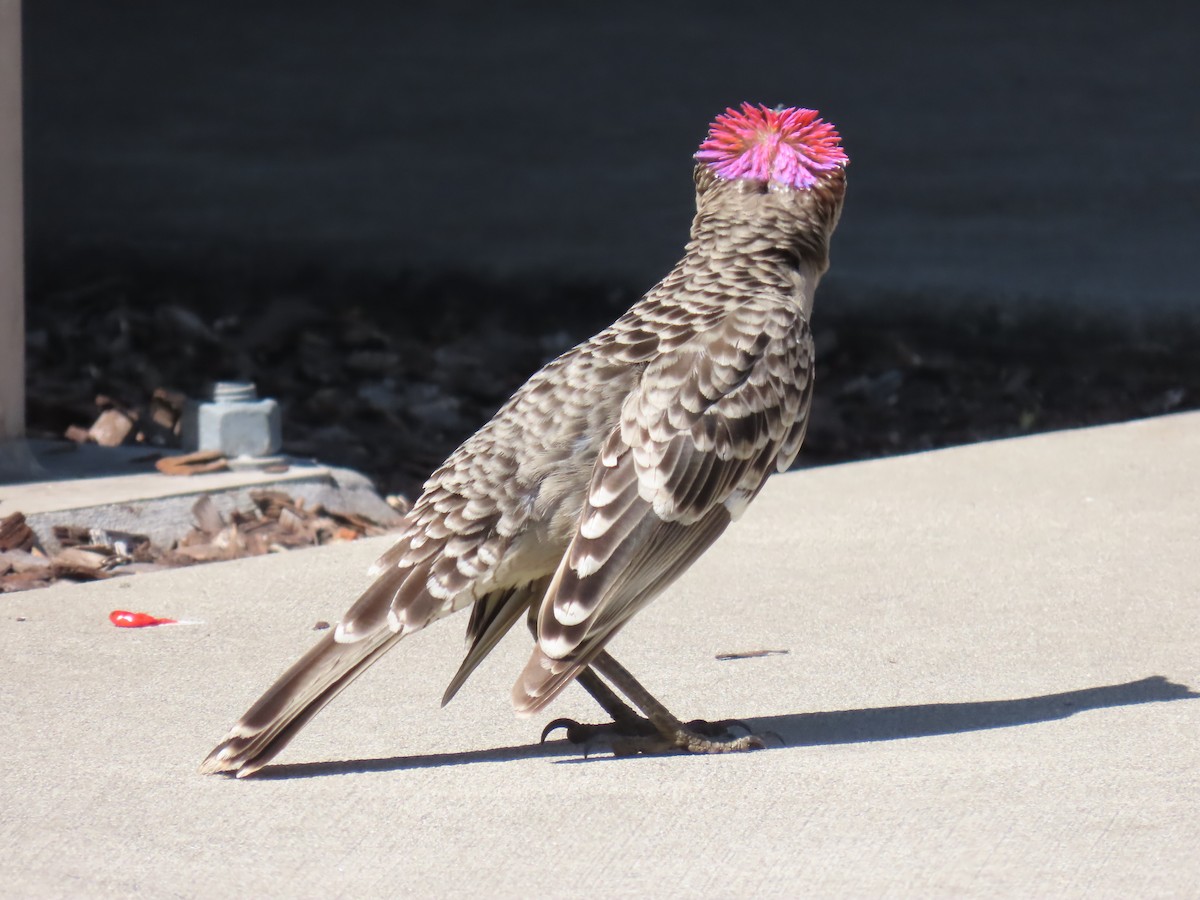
[776,170]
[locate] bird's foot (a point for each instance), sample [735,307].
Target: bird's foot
[640,736]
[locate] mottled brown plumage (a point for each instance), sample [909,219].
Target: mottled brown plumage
[607,474]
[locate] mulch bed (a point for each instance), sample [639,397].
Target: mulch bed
[276,523]
[387,376]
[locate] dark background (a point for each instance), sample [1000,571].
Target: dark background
[493,182]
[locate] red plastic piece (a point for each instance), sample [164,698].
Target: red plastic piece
[124,619]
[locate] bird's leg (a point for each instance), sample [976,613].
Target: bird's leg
[621,712]
[657,732]
[625,720]
[672,734]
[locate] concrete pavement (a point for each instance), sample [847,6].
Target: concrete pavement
[990,690]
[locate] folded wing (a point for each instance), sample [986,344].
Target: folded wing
[708,423]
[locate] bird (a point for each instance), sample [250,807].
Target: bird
[614,467]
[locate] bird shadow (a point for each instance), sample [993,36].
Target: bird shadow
[891,723]
[851,726]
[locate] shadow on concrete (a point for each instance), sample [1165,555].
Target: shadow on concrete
[891,723]
[428,761]
[850,726]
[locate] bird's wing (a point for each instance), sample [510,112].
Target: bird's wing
[708,423]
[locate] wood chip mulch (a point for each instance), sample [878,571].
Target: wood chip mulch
[275,523]
[387,375]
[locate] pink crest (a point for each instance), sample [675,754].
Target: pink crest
[790,146]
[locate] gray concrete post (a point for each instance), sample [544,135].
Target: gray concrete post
[15,460]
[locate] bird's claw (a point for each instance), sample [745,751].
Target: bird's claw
[566,724]
[584,735]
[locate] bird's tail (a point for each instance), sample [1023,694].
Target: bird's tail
[316,678]
[303,690]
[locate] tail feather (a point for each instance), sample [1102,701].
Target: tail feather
[491,618]
[315,679]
